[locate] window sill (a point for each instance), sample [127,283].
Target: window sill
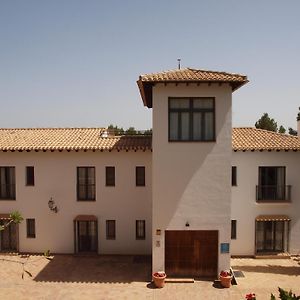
[5,199]
[273,202]
[86,200]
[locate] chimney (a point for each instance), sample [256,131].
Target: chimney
[298,123]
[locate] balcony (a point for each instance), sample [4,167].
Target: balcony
[273,193]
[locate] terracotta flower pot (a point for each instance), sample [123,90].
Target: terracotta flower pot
[226,281]
[159,279]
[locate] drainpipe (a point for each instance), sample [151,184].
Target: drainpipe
[298,123]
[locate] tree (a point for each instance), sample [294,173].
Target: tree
[292,131]
[265,122]
[281,129]
[131,131]
[15,217]
[115,129]
[112,129]
[148,132]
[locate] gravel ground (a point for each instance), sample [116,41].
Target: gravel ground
[125,277]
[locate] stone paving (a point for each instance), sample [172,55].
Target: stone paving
[126,277]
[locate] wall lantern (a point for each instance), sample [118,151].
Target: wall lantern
[187,224]
[52,206]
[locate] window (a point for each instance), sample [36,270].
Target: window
[86,183]
[140,176]
[191,119]
[140,229]
[30,224]
[271,184]
[233,229]
[110,176]
[29,176]
[233,176]
[7,183]
[110,229]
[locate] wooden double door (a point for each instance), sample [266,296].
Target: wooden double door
[8,237]
[191,253]
[86,237]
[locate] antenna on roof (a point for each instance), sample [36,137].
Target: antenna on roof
[179,60]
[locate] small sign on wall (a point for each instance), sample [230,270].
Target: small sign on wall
[224,247]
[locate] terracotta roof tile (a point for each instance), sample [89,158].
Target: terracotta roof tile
[5,217]
[189,74]
[146,81]
[253,139]
[272,218]
[42,139]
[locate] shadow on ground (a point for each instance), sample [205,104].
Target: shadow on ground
[272,269]
[104,269]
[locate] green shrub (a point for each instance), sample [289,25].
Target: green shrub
[285,295]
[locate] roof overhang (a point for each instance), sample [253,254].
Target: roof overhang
[145,87]
[272,218]
[5,217]
[85,218]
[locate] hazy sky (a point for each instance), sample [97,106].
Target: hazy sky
[75,63]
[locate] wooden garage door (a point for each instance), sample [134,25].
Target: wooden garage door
[191,253]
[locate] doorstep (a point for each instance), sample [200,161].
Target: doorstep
[282,255]
[179,280]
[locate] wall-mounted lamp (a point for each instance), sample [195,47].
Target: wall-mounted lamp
[187,224]
[52,206]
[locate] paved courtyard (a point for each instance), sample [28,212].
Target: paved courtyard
[126,277]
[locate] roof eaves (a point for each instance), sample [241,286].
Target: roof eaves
[237,86]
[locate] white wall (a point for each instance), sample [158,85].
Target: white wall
[191,180]
[244,206]
[55,176]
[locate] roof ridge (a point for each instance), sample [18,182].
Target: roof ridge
[127,135]
[47,128]
[164,71]
[194,70]
[218,72]
[243,127]
[274,132]
[268,131]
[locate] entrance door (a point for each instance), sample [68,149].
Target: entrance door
[270,236]
[191,253]
[8,237]
[87,239]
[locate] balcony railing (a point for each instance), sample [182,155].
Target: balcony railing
[273,193]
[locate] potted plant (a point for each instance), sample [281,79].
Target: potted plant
[159,278]
[225,278]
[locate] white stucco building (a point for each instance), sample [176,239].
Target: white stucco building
[85,190]
[265,193]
